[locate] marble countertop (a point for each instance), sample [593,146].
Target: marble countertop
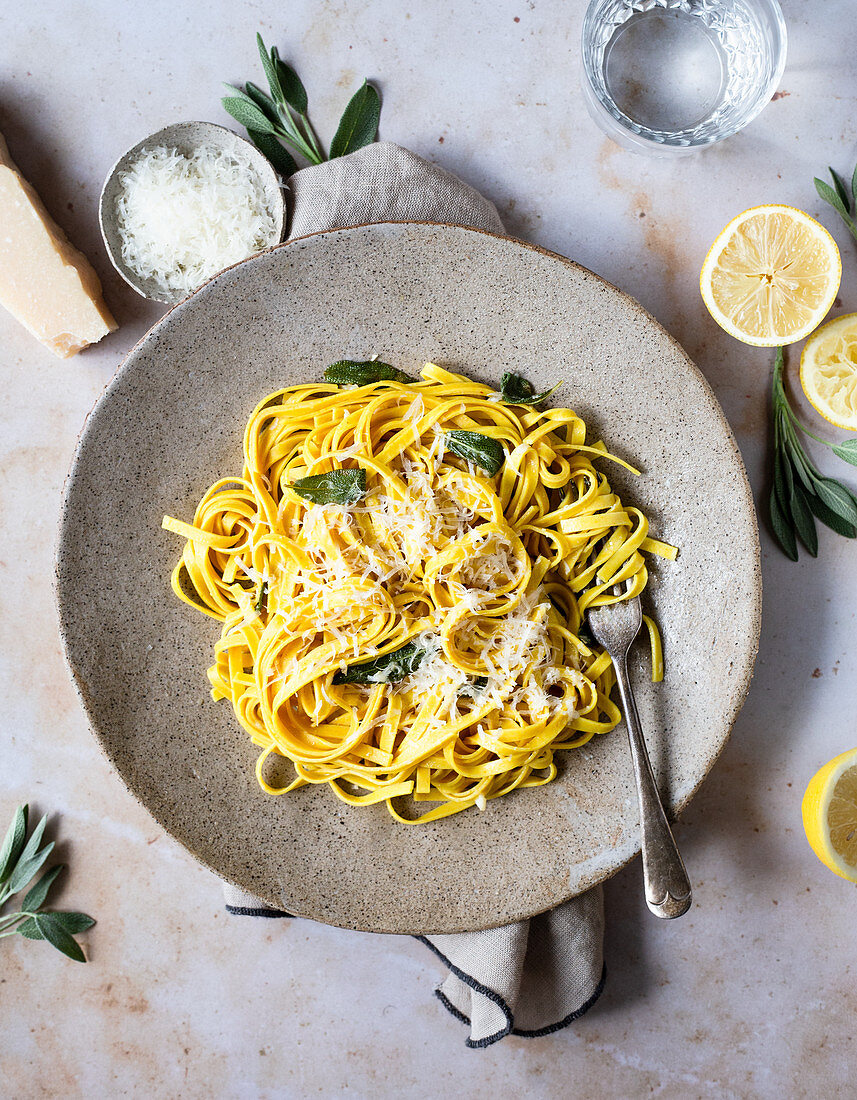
[753,994]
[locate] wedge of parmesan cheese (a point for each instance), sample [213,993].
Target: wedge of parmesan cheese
[45,282]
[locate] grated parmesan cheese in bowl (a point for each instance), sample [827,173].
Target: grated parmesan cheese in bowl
[185,204]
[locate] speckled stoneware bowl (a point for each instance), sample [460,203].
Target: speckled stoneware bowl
[185,137]
[171,423]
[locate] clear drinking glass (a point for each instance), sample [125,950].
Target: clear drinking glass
[670,76]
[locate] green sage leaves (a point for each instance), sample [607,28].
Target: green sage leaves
[359,123]
[842,197]
[20,861]
[282,116]
[800,494]
[847,451]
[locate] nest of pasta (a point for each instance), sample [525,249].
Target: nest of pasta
[401,572]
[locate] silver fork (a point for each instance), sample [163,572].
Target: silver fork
[668,893]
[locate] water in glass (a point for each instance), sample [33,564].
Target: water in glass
[681,73]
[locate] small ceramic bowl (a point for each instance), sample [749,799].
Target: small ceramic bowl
[185,137]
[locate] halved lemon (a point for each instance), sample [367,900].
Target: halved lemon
[829,811]
[828,371]
[771,276]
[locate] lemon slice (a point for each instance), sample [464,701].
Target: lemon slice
[771,276]
[829,810]
[828,371]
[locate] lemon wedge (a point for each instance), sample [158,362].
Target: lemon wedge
[828,371]
[771,276]
[829,810]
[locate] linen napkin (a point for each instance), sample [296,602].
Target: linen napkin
[535,976]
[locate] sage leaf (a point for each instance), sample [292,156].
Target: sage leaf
[841,190]
[783,481]
[832,197]
[349,372]
[359,123]
[473,688]
[270,69]
[831,519]
[29,930]
[36,897]
[290,84]
[260,604]
[262,101]
[854,186]
[516,390]
[70,922]
[481,450]
[278,155]
[27,869]
[782,529]
[803,522]
[29,857]
[73,922]
[245,112]
[585,635]
[800,465]
[388,669]
[336,487]
[53,931]
[837,498]
[847,451]
[13,842]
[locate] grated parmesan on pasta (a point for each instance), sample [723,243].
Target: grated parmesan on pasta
[182,218]
[476,585]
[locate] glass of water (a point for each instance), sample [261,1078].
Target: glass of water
[670,76]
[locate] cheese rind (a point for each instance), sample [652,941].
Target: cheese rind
[45,282]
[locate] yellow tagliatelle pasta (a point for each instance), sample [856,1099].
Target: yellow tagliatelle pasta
[423,639]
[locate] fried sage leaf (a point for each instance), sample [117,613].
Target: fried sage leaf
[389,669]
[336,487]
[481,450]
[516,390]
[350,372]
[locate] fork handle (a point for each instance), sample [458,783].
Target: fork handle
[667,886]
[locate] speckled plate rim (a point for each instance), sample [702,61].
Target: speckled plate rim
[619,856]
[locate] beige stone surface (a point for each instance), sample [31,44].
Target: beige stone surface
[753,993]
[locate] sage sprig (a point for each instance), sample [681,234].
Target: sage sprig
[350,372]
[359,123]
[516,390]
[282,116]
[800,494]
[481,450]
[337,487]
[20,861]
[387,669]
[842,197]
